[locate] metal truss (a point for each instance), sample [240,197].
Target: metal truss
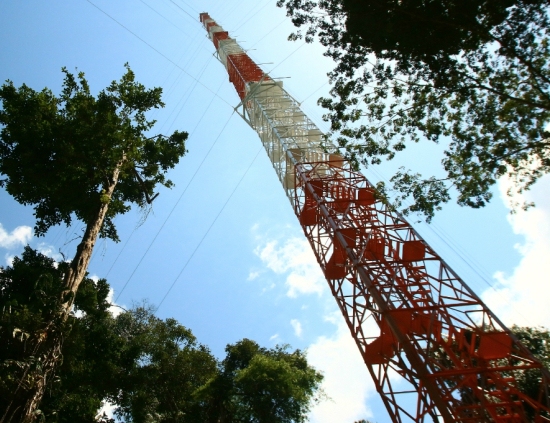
[433,348]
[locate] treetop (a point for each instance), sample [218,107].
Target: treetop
[57,153]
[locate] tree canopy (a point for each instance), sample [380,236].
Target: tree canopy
[29,301]
[58,152]
[537,340]
[150,369]
[472,75]
[256,384]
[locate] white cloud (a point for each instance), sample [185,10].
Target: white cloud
[347,382]
[49,251]
[9,259]
[115,309]
[522,297]
[19,236]
[253,275]
[297,326]
[274,337]
[295,259]
[107,409]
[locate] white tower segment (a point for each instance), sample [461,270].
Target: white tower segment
[287,134]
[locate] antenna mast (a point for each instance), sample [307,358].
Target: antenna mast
[433,348]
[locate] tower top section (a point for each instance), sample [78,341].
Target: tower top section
[241,68]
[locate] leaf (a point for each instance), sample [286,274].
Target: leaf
[472,75]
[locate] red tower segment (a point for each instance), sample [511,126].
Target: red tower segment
[242,70]
[240,67]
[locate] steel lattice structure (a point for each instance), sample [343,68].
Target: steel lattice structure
[434,350]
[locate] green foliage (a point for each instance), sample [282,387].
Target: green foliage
[529,381]
[256,384]
[163,365]
[58,152]
[151,370]
[473,75]
[31,309]
[537,340]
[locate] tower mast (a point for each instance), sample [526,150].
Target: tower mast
[433,348]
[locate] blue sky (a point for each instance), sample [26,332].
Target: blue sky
[222,251]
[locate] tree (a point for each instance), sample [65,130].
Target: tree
[472,75]
[144,365]
[151,370]
[78,156]
[166,376]
[537,340]
[162,366]
[29,293]
[256,384]
[529,381]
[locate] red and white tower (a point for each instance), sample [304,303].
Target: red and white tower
[434,350]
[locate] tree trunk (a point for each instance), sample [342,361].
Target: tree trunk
[81,260]
[48,343]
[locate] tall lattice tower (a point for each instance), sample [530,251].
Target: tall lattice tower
[437,352]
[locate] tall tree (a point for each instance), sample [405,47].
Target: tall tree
[472,75]
[256,384]
[84,157]
[149,369]
[29,300]
[162,366]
